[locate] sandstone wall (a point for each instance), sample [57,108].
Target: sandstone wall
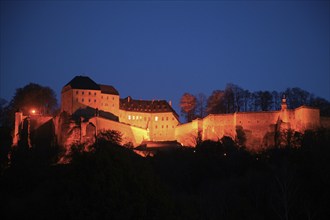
[130,134]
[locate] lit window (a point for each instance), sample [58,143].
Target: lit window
[129,117]
[156,118]
[133,117]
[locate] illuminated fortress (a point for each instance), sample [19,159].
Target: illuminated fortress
[88,108]
[155,120]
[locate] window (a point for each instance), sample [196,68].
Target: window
[77,92]
[172,118]
[94,100]
[113,98]
[94,93]
[166,126]
[113,105]
[107,97]
[162,126]
[89,100]
[76,99]
[156,118]
[101,96]
[166,118]
[145,118]
[156,126]
[89,93]
[82,92]
[172,126]
[129,117]
[82,100]
[162,118]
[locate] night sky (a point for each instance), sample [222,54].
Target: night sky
[159,50]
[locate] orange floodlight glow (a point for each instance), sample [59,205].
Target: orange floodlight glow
[33,111]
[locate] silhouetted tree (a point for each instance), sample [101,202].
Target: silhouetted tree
[111,136]
[188,106]
[215,102]
[201,102]
[276,100]
[297,97]
[322,104]
[33,96]
[263,100]
[234,97]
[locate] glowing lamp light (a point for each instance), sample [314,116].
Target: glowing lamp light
[33,111]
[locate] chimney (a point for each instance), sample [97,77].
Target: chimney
[170,103]
[128,98]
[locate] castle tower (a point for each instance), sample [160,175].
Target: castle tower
[284,106]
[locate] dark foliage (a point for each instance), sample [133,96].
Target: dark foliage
[215,180]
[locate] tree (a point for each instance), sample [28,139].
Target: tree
[201,102]
[322,104]
[297,97]
[264,100]
[34,96]
[188,106]
[215,103]
[276,100]
[246,100]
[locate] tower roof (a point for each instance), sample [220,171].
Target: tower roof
[108,89]
[83,82]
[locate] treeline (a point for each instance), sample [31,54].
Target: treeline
[215,180]
[236,99]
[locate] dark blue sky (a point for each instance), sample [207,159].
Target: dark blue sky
[159,50]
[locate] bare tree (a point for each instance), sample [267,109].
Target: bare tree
[201,102]
[188,106]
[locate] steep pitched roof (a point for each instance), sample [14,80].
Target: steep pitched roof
[83,82]
[108,89]
[153,106]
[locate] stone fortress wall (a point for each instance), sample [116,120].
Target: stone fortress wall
[155,120]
